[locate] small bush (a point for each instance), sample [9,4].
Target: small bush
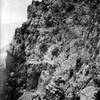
[97,82]
[43,47]
[55,52]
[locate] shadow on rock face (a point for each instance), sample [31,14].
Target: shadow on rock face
[4,77]
[2,81]
[9,63]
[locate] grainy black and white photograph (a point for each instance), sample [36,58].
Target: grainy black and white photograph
[49,49]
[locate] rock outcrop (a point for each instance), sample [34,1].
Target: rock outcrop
[56,53]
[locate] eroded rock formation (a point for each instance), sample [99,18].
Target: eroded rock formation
[56,53]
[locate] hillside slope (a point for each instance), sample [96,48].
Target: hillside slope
[56,53]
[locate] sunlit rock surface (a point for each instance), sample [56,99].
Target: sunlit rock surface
[55,55]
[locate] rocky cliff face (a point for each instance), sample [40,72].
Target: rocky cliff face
[56,53]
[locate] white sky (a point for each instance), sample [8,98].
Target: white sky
[12,14]
[14,11]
